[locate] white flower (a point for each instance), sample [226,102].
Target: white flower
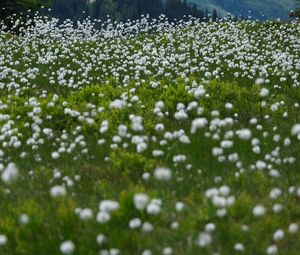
[153,209]
[108,206]
[184,139]
[67,247]
[135,223]
[86,214]
[199,92]
[181,115]
[146,176]
[264,92]
[275,193]
[136,123]
[226,144]
[278,235]
[198,123]
[147,227]
[140,201]
[271,250]
[159,127]
[157,153]
[259,211]
[260,165]
[103,217]
[229,106]
[224,190]
[179,206]
[24,219]
[55,155]
[104,127]
[3,240]
[259,81]
[174,225]
[204,240]
[141,147]
[58,191]
[147,252]
[117,104]
[10,173]
[239,247]
[167,251]
[210,227]
[122,130]
[163,174]
[277,208]
[244,134]
[101,239]
[295,130]
[293,228]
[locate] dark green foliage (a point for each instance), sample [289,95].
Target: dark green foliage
[123,10]
[69,8]
[177,9]
[10,10]
[9,7]
[297,12]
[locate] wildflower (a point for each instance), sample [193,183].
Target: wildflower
[295,130]
[244,134]
[204,239]
[179,206]
[101,239]
[108,206]
[135,223]
[86,214]
[259,211]
[163,174]
[264,92]
[239,247]
[55,155]
[167,251]
[140,201]
[24,219]
[3,240]
[103,217]
[147,227]
[272,249]
[10,173]
[293,228]
[210,227]
[118,104]
[153,209]
[67,247]
[198,123]
[278,235]
[58,191]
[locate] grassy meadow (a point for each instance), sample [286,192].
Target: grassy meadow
[150,137]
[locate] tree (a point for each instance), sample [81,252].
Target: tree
[296,12]
[72,9]
[214,15]
[10,10]
[9,7]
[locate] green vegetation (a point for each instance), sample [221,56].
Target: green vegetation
[121,10]
[183,141]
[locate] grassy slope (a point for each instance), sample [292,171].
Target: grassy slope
[53,220]
[269,8]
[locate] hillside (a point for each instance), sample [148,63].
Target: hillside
[180,141]
[268,8]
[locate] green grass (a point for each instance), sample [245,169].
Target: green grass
[93,172]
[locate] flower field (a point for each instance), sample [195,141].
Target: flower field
[150,137]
